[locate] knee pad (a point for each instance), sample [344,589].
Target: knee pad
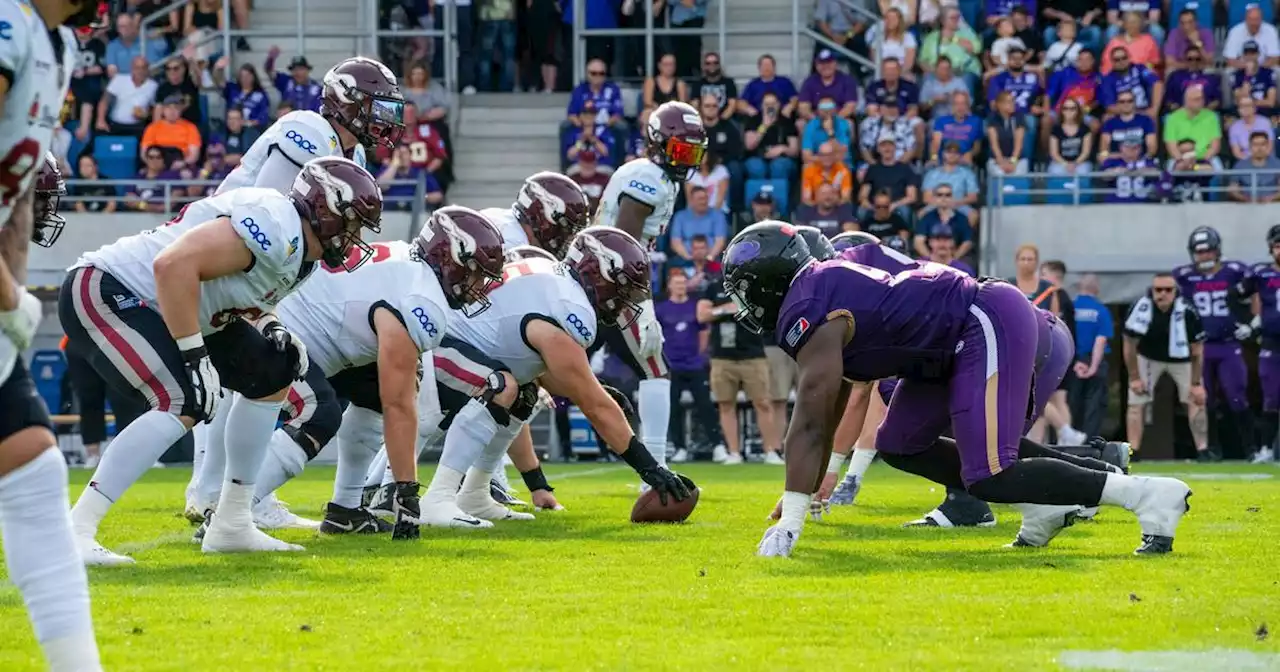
[316,432]
[247,362]
[526,402]
[496,385]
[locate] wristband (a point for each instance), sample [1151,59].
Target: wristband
[193,342]
[535,480]
[637,456]
[836,461]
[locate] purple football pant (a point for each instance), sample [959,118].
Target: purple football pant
[985,401]
[1225,376]
[1269,377]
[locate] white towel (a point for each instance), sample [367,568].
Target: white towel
[1139,321]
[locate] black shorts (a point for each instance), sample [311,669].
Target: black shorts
[21,406]
[461,372]
[624,343]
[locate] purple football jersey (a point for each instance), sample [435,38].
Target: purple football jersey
[900,324]
[1213,294]
[1264,280]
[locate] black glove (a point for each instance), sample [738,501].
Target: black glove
[404,506]
[658,477]
[287,344]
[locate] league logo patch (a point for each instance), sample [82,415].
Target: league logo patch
[796,331]
[293,248]
[744,251]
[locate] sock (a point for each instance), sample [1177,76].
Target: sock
[41,556]
[214,469]
[378,468]
[358,440]
[1042,481]
[795,506]
[235,506]
[284,460]
[940,463]
[490,459]
[250,424]
[1028,449]
[132,454]
[1121,490]
[472,430]
[861,460]
[444,485]
[655,415]
[200,440]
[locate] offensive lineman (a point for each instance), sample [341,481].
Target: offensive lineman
[37,55]
[639,200]
[139,310]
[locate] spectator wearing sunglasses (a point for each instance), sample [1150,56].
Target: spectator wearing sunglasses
[1192,74]
[1128,126]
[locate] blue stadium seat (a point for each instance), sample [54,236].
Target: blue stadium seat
[47,368]
[1236,10]
[1063,184]
[582,439]
[1203,9]
[781,193]
[117,156]
[1015,192]
[76,147]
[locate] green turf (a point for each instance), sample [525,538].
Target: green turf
[584,589]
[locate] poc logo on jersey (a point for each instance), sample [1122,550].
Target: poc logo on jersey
[796,331]
[306,145]
[576,322]
[426,323]
[256,233]
[641,186]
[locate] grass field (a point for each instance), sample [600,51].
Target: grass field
[586,590]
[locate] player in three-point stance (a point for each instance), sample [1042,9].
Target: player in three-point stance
[168,316]
[964,352]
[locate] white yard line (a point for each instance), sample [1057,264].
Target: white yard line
[1235,660]
[1210,476]
[588,472]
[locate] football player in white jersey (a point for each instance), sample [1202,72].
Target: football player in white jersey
[37,55]
[365,332]
[165,316]
[639,200]
[544,317]
[361,108]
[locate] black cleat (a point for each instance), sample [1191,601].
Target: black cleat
[1155,545]
[959,509]
[366,496]
[501,495]
[1209,454]
[381,504]
[341,520]
[198,536]
[1115,453]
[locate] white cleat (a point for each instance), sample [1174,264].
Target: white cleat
[1162,502]
[447,514]
[221,538]
[481,505]
[773,458]
[273,514]
[1042,522]
[1070,436]
[732,458]
[1263,456]
[719,453]
[96,555]
[777,543]
[680,456]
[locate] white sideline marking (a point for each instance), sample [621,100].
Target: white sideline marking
[1170,661]
[588,472]
[166,538]
[1192,476]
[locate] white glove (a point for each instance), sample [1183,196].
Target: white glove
[1243,332]
[545,401]
[650,331]
[1256,323]
[288,344]
[19,325]
[204,377]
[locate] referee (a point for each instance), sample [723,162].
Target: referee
[1163,336]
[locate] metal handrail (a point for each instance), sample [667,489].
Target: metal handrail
[162,12]
[871,18]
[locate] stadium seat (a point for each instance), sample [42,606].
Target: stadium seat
[1237,8]
[1203,10]
[47,368]
[781,193]
[1062,186]
[582,439]
[75,147]
[1016,192]
[117,156]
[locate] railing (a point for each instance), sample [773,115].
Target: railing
[150,19]
[865,14]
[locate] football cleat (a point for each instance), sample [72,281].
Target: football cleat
[1263,456]
[480,505]
[1161,504]
[197,537]
[273,514]
[1154,545]
[959,509]
[94,554]
[1116,453]
[777,543]
[501,495]
[366,496]
[1042,522]
[194,513]
[447,514]
[382,504]
[341,520]
[223,538]
[773,458]
[846,491]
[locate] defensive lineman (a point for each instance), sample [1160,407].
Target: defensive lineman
[639,200]
[37,55]
[140,310]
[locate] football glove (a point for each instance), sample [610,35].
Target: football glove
[204,377]
[289,345]
[650,331]
[1243,332]
[406,510]
[19,325]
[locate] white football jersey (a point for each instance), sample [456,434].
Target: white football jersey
[645,182]
[333,312]
[531,288]
[38,64]
[505,219]
[277,156]
[269,224]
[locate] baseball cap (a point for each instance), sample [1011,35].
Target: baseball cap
[887,136]
[941,231]
[173,99]
[1017,46]
[951,146]
[588,105]
[1018,9]
[764,196]
[1251,45]
[825,56]
[299,62]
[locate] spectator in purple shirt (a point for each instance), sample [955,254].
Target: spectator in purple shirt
[999,9]
[685,347]
[246,94]
[828,81]
[893,90]
[296,88]
[1192,74]
[148,194]
[1147,89]
[767,81]
[1188,34]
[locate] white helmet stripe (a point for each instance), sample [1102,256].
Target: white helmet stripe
[609,259]
[459,241]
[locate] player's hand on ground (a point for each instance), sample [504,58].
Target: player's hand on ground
[828,485]
[668,483]
[407,511]
[543,500]
[777,543]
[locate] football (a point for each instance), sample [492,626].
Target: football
[649,509]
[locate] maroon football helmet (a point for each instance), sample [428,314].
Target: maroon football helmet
[675,139]
[523,252]
[338,199]
[49,190]
[614,269]
[363,96]
[464,248]
[554,207]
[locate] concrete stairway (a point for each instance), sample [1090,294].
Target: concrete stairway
[322,52]
[773,17]
[502,138]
